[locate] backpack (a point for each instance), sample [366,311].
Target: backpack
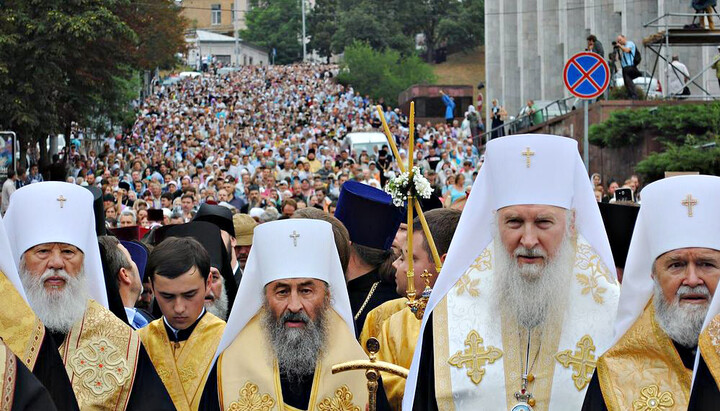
[636,57]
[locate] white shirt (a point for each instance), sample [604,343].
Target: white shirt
[677,77]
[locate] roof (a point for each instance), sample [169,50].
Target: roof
[209,36]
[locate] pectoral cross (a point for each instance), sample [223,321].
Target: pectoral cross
[527,153]
[475,357]
[294,236]
[62,201]
[689,202]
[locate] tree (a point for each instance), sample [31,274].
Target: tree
[382,73]
[322,25]
[276,24]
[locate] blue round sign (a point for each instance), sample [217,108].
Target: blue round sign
[586,75]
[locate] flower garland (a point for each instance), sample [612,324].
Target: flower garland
[399,187]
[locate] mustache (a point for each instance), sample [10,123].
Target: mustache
[52,272]
[291,316]
[699,289]
[529,252]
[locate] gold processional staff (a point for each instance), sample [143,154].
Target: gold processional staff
[373,367]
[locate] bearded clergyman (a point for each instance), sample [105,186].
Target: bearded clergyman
[294,325]
[51,232]
[527,295]
[671,274]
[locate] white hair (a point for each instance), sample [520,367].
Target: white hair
[533,294]
[681,322]
[58,310]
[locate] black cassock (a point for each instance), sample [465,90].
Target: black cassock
[425,386]
[705,394]
[50,372]
[148,392]
[30,394]
[359,290]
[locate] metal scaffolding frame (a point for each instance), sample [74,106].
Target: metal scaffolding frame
[677,35]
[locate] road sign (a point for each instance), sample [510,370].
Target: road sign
[586,75]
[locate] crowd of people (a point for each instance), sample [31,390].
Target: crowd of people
[264,141]
[233,249]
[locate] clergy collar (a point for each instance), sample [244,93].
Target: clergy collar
[365,281]
[181,335]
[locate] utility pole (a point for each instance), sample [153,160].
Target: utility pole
[235,32]
[302,7]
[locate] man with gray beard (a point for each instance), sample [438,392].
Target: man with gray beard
[527,293]
[58,260]
[294,325]
[671,274]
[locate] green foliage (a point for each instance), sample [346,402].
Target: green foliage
[681,157]
[276,24]
[64,62]
[620,93]
[667,124]
[382,73]
[393,24]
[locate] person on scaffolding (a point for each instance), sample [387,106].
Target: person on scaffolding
[702,7]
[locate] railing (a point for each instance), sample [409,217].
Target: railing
[514,125]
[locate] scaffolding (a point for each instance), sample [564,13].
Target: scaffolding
[676,34]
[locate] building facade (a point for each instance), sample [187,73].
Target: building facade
[215,15]
[222,49]
[528,42]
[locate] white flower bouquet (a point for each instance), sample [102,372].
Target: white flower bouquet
[400,188]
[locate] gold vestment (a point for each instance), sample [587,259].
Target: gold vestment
[183,367]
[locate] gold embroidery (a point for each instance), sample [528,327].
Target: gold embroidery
[187,373]
[250,400]
[466,284]
[100,366]
[20,328]
[709,344]
[651,399]
[483,262]
[341,402]
[590,285]
[8,371]
[582,362]
[587,259]
[100,338]
[475,357]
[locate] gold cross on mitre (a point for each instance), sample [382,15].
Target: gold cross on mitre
[527,153]
[582,362]
[62,201]
[294,237]
[689,202]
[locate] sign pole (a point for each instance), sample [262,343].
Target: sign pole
[586,140]
[586,76]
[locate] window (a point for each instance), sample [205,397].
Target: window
[215,14]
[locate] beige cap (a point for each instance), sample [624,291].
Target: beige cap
[244,228]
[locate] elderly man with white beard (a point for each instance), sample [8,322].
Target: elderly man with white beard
[294,325]
[52,236]
[527,295]
[672,272]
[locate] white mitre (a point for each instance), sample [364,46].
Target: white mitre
[56,212]
[677,212]
[518,170]
[284,249]
[7,262]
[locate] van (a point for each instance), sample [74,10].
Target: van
[359,141]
